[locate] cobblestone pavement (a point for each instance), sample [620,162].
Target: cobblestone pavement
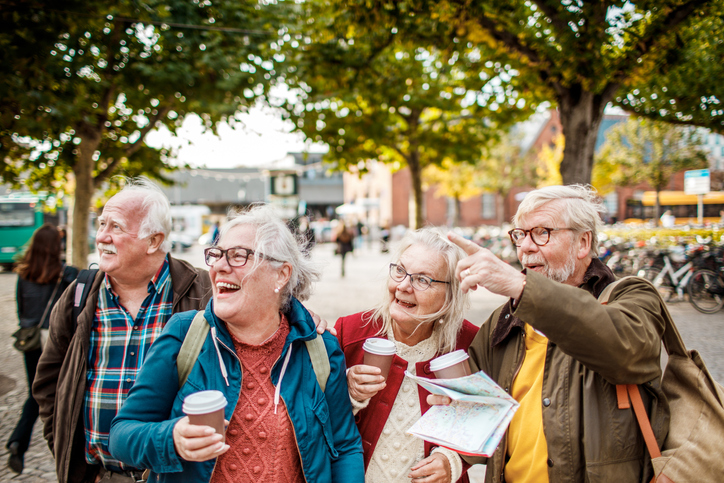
[334,296]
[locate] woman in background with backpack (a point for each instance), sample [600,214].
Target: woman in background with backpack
[284,425]
[42,278]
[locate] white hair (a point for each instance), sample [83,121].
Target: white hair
[274,239]
[580,211]
[450,316]
[156,209]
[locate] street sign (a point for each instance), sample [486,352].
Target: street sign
[697,182]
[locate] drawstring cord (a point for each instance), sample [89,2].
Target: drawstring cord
[278,389]
[218,353]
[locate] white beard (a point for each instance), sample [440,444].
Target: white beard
[560,275]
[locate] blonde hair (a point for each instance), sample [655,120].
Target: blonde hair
[450,316]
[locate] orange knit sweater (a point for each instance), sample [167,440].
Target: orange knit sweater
[263,445]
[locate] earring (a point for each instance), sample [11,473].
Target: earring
[276,290]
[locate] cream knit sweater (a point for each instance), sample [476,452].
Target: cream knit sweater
[396,451]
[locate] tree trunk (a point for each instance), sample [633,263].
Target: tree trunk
[581,114]
[657,209]
[456,216]
[413,162]
[84,189]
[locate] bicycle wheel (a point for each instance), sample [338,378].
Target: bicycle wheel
[661,281]
[706,291]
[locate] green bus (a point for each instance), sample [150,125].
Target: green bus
[20,215]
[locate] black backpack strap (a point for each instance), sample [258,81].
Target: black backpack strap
[82,289]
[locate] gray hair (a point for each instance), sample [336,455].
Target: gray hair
[155,206]
[275,240]
[450,316]
[581,209]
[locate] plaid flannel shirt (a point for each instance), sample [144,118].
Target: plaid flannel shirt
[118,347]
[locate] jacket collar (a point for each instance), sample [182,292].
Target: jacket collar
[301,324]
[182,277]
[596,278]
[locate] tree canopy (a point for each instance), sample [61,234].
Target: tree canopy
[368,86]
[579,54]
[103,74]
[685,86]
[642,150]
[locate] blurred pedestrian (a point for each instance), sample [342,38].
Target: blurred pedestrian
[63,242]
[385,239]
[345,237]
[42,278]
[215,234]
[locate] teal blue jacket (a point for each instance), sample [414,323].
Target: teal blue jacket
[329,443]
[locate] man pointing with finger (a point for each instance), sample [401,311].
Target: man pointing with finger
[560,353]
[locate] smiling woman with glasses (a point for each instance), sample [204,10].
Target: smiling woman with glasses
[255,353]
[421,313]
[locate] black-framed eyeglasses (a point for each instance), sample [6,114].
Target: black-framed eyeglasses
[540,235]
[235,256]
[418,281]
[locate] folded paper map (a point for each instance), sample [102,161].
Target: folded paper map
[474,422]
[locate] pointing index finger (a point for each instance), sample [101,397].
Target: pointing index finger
[463,243]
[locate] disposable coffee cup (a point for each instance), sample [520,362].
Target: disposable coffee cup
[379,353]
[206,408]
[452,365]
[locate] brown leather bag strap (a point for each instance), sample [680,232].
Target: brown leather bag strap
[622,396]
[643,419]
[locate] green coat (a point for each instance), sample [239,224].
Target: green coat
[591,348]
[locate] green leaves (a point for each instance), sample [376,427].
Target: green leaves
[642,150]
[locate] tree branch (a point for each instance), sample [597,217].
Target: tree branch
[160,114]
[110,168]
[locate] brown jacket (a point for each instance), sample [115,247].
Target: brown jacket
[591,348]
[59,385]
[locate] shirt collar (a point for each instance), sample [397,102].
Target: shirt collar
[162,277]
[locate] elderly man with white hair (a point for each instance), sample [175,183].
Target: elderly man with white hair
[560,352]
[89,364]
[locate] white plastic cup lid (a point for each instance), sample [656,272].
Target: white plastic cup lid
[382,347]
[448,360]
[204,402]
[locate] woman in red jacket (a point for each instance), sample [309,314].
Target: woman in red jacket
[422,313]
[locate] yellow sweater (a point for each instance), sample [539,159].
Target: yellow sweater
[527,448]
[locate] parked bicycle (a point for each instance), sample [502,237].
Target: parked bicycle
[671,272]
[706,287]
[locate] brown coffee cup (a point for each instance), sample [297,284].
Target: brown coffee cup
[452,365]
[379,353]
[206,408]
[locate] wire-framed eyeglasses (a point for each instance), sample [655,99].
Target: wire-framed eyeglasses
[418,281]
[235,256]
[540,235]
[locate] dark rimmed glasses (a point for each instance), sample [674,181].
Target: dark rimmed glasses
[235,256]
[540,235]
[418,281]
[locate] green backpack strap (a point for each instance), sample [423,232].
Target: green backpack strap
[320,360]
[191,347]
